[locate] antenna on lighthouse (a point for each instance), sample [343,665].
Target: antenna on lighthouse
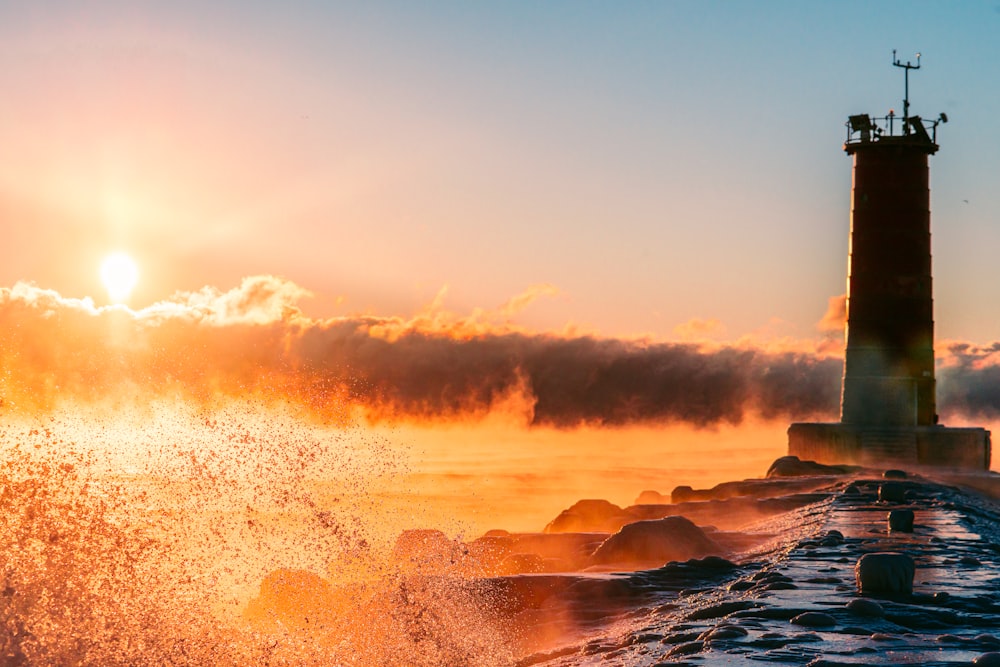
[906,93]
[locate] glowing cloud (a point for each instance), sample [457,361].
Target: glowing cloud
[835,317]
[254,341]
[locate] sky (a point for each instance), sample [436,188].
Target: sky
[645,169]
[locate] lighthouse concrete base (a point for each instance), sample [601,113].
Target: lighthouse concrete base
[937,446]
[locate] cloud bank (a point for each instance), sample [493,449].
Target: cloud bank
[254,342]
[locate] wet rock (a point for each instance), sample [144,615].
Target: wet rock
[657,541]
[814,619]
[686,649]
[779,586]
[725,631]
[651,498]
[792,466]
[588,516]
[900,521]
[721,609]
[644,638]
[894,474]
[712,563]
[991,659]
[885,572]
[749,489]
[685,494]
[891,492]
[771,613]
[866,607]
[969,560]
[680,638]
[427,550]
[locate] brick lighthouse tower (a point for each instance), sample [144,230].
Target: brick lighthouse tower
[888,411]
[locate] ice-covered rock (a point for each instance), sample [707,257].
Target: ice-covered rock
[589,516]
[885,572]
[892,492]
[649,497]
[865,607]
[814,619]
[900,521]
[792,466]
[656,542]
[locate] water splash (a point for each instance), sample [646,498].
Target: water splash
[239,536]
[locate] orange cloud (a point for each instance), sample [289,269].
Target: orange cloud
[968,378]
[518,303]
[699,329]
[835,317]
[254,341]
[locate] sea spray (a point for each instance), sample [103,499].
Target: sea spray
[237,536]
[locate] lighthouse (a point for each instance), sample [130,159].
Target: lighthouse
[888,406]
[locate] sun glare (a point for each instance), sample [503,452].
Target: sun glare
[119,274]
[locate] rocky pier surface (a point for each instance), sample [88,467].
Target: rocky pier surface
[882,567]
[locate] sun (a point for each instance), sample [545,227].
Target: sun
[119,273]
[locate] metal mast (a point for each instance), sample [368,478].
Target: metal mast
[906,87]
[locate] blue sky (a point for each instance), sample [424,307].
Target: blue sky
[655,162]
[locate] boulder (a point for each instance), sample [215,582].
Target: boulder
[656,542]
[756,488]
[427,550]
[792,466]
[900,521]
[892,492]
[885,572]
[649,497]
[866,607]
[685,494]
[291,597]
[814,619]
[587,516]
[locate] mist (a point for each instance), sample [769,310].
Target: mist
[255,341]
